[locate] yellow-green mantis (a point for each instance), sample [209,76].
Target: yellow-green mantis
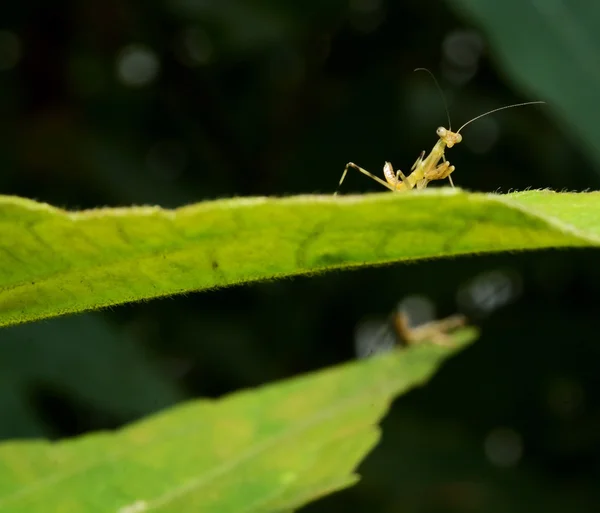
[426,168]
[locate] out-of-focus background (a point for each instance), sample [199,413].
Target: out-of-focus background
[171,102]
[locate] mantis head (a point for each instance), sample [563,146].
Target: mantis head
[449,137]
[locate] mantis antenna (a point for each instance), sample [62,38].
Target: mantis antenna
[475,118]
[496,110]
[437,84]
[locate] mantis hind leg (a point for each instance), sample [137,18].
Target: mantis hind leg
[364,172]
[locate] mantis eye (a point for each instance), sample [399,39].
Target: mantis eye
[441,131]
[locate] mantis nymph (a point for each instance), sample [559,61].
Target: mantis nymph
[426,168]
[437,332]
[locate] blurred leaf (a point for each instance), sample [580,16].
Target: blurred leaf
[57,262]
[245,27]
[83,359]
[551,49]
[270,449]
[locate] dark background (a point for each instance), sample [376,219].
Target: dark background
[114,103]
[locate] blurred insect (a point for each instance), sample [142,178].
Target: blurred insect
[413,321]
[408,325]
[437,332]
[426,169]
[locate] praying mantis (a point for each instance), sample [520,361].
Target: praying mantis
[426,168]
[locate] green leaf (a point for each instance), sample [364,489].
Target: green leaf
[549,48]
[57,262]
[271,449]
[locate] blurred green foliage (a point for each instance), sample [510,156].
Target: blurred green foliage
[559,63]
[111,103]
[272,448]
